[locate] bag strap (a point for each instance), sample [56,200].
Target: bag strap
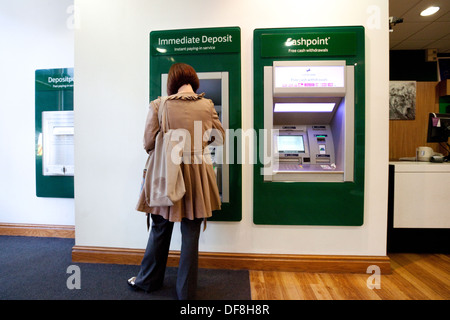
[162,115]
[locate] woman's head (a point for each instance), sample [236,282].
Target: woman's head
[179,75]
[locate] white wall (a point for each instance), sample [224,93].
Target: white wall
[33,35]
[111,98]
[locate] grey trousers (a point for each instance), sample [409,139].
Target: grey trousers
[153,265]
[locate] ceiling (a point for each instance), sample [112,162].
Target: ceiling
[417,32]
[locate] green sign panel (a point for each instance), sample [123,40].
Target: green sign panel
[210,50]
[54,79]
[310,203]
[195,41]
[54,132]
[302,44]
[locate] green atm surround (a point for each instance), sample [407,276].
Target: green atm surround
[311,203]
[53,93]
[207,50]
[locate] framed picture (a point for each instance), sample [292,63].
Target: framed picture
[402,100]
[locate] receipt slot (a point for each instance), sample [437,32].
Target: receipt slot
[309,115]
[215,54]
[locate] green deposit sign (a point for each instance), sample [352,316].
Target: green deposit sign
[195,41]
[54,79]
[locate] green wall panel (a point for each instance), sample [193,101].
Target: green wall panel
[53,92]
[206,50]
[311,203]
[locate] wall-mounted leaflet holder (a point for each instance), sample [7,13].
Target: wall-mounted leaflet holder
[57,143]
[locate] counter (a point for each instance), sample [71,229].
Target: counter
[421,195]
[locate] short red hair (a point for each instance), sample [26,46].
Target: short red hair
[179,75]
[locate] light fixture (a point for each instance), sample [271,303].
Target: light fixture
[429,11]
[304,107]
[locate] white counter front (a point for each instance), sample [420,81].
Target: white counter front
[421,195]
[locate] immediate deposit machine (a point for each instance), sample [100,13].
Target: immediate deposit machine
[215,54]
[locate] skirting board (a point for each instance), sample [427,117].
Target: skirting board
[246,261]
[37,230]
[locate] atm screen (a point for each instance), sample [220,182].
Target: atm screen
[309,76]
[290,144]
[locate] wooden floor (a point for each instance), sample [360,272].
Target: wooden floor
[414,277]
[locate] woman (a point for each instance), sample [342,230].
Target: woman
[183,107]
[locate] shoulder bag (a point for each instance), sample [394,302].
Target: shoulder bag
[164,182]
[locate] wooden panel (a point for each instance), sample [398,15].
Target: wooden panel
[444,88]
[406,135]
[107,255]
[413,277]
[37,230]
[217,260]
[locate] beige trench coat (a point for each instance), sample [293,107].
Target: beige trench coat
[202,195]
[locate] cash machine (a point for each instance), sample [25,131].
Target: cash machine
[309,117]
[308,108]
